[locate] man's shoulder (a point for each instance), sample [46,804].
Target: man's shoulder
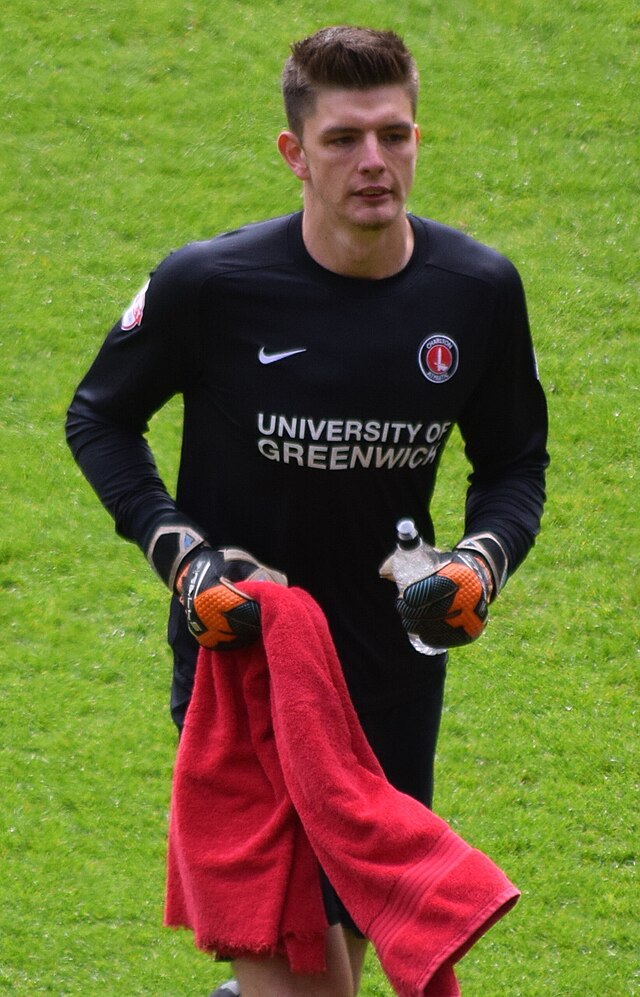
[455,251]
[258,242]
[255,245]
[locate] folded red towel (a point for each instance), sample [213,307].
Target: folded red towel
[274,774]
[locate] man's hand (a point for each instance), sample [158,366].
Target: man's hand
[219,615]
[450,607]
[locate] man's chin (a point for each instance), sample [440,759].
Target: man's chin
[374,221]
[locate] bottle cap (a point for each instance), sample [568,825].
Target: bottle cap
[406,530]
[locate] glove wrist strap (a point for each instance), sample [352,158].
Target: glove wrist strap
[493,553]
[170,545]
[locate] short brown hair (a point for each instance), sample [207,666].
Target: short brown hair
[345,57]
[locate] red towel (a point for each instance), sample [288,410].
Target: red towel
[274,774]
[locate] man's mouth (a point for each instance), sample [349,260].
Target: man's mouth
[373,193]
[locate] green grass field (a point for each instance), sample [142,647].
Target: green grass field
[128,129]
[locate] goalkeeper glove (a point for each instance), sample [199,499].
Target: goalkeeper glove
[450,607]
[219,615]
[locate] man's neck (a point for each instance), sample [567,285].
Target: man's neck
[364,253]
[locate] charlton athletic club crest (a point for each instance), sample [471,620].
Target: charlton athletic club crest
[438,358]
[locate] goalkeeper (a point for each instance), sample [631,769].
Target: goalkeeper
[324,358]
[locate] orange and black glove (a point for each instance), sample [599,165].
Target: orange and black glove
[450,607]
[219,615]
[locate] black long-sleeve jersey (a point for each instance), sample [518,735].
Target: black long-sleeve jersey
[316,409]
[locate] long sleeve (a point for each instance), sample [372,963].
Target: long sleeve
[504,427]
[146,358]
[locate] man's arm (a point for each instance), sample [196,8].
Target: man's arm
[120,467]
[148,356]
[504,427]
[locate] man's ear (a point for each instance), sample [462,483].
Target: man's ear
[290,148]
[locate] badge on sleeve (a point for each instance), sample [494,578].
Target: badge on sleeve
[438,358]
[133,315]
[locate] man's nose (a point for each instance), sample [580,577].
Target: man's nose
[371,159]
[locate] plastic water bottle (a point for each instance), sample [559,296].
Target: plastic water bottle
[412,560]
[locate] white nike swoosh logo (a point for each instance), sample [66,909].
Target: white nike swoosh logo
[265,357]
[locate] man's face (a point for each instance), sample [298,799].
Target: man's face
[357,157]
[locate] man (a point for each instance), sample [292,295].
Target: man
[324,358]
